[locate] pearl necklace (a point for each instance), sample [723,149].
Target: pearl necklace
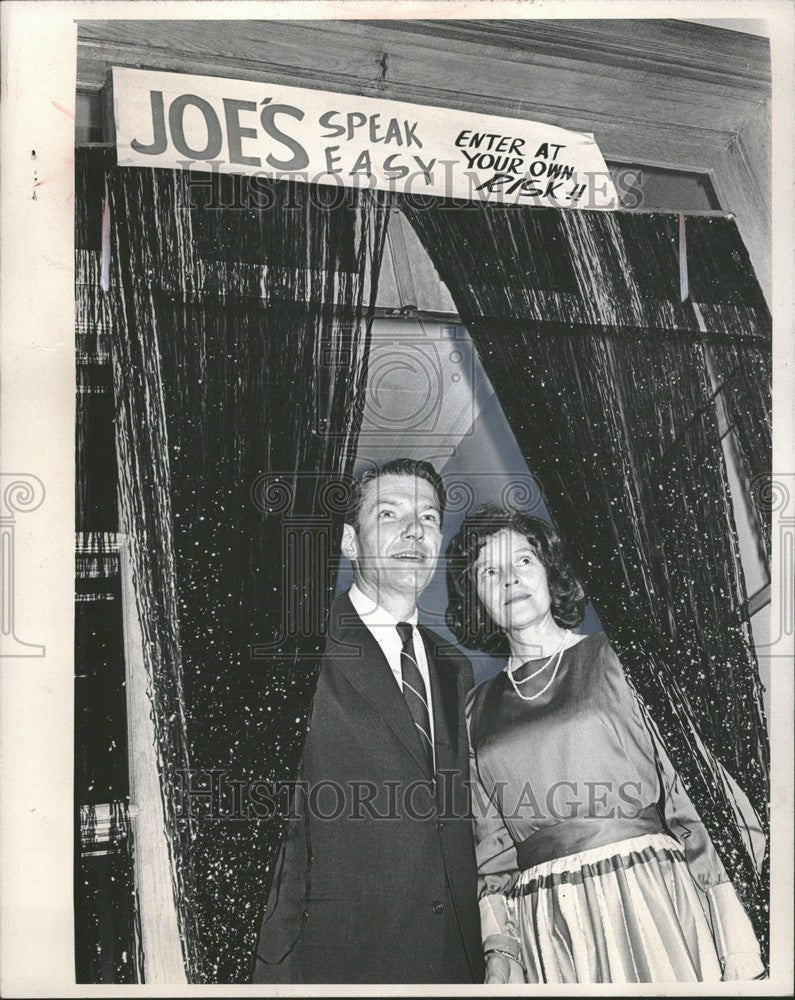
[557,654]
[541,669]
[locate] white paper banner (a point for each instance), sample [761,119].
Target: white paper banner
[235,126]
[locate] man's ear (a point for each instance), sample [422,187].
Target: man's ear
[348,545]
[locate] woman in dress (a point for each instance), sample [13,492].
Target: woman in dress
[593,865]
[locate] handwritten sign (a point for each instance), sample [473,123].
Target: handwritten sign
[238,126]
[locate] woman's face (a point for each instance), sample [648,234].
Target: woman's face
[512,581]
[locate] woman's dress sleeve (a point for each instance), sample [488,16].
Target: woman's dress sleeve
[495,853]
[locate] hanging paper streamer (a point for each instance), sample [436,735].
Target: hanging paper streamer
[683,289]
[105,262]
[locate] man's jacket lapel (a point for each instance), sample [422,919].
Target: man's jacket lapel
[444,698]
[354,652]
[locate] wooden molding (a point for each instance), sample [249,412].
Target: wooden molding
[670,48]
[689,51]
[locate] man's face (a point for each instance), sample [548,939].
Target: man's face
[395,548]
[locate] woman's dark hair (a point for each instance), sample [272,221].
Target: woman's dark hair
[466,616]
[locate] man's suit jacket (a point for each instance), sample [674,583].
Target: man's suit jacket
[374,892]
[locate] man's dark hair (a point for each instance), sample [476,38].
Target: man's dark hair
[466,616]
[397,467]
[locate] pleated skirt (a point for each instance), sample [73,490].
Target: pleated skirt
[624,913]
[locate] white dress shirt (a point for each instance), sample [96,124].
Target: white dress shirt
[382,627]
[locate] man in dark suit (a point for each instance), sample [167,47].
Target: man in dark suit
[376,879]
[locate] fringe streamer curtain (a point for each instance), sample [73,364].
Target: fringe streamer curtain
[601,372]
[106,917]
[239,347]
[736,323]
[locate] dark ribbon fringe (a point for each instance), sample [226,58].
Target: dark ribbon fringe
[239,351]
[602,373]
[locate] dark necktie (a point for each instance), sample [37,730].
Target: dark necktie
[415,692]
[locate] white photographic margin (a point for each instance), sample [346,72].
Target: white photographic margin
[37,401]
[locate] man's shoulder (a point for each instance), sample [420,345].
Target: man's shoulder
[346,636]
[441,648]
[343,614]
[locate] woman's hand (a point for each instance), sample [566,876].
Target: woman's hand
[503,969]
[742,965]
[503,959]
